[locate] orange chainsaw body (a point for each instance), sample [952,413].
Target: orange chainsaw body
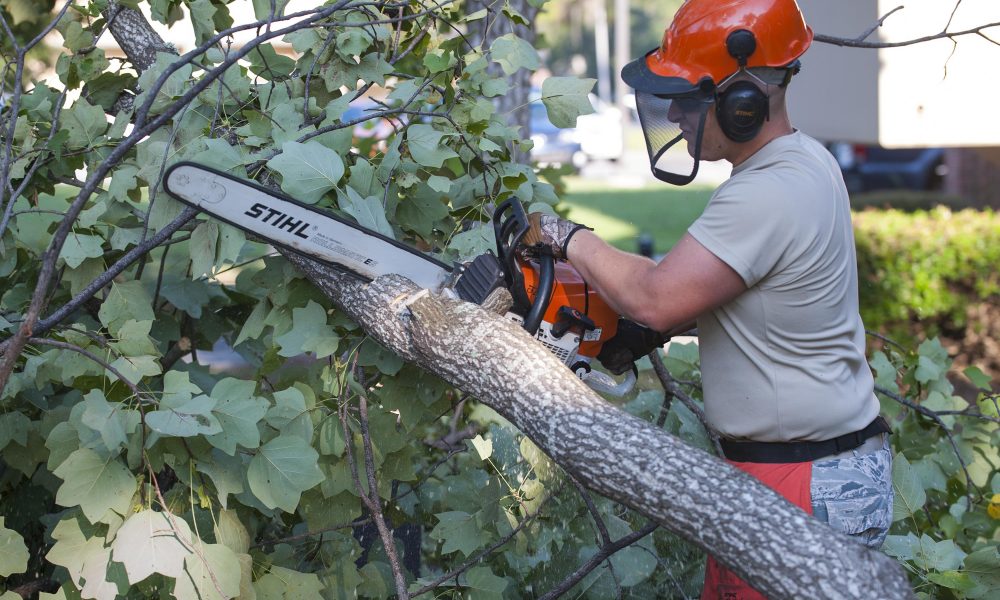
[570,290]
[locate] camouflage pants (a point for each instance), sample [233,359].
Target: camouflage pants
[852,491]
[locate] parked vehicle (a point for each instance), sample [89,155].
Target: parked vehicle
[870,168]
[597,136]
[552,145]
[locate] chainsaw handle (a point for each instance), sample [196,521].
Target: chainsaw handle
[510,223]
[543,295]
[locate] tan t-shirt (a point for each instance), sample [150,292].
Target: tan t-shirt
[786,359]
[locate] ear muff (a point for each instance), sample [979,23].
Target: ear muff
[742,110]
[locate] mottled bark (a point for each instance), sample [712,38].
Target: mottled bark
[775,546]
[135,36]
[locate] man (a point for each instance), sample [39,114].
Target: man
[768,271]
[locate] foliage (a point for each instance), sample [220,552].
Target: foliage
[946,473]
[133,467]
[928,273]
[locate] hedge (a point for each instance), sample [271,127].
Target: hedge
[929,273]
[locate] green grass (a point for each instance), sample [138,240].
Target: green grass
[620,216]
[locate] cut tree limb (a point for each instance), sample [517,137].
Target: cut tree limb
[775,546]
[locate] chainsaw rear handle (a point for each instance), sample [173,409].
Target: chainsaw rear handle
[510,223]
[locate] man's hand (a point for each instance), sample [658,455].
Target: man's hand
[631,342]
[547,230]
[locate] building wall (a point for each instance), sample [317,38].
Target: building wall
[935,93]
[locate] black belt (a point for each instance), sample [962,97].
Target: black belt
[793,452]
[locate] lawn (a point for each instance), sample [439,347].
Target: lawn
[620,216]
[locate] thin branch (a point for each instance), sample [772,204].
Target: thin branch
[374,504]
[600,556]
[670,386]
[855,43]
[97,359]
[937,419]
[602,529]
[476,558]
[105,278]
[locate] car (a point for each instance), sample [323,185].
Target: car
[552,145]
[869,168]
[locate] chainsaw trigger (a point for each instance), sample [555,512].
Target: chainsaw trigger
[567,317]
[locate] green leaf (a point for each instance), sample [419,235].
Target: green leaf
[474,242]
[633,565]
[85,124]
[886,372]
[94,484]
[202,248]
[978,378]
[126,301]
[238,412]
[222,155]
[933,361]
[309,333]
[152,542]
[459,532]
[955,580]
[13,552]
[262,10]
[565,99]
[485,583]
[282,469]
[111,420]
[187,294]
[938,556]
[280,582]
[211,572]
[420,211]
[483,447]
[439,183]
[254,325]
[368,211]
[191,418]
[80,247]
[133,338]
[307,170]
[226,473]
[983,567]
[909,491]
[14,426]
[83,553]
[514,53]
[424,143]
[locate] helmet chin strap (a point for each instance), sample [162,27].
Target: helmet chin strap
[677,178]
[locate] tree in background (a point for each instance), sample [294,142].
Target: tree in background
[415,445]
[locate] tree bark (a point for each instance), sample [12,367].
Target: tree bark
[775,546]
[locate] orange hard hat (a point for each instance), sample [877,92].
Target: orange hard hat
[708,40]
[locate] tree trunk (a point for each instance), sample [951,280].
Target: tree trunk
[775,546]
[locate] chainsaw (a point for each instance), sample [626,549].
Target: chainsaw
[551,301]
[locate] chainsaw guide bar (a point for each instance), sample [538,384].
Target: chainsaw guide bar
[300,227]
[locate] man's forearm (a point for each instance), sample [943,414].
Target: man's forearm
[616,275]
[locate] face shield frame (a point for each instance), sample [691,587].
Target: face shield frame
[661,133]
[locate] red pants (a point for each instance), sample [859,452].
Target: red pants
[791,480]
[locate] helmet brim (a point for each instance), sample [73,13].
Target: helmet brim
[640,77]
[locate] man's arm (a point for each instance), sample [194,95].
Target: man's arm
[663,296]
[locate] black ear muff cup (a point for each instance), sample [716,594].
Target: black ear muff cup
[741,110]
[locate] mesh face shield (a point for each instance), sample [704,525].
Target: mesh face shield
[667,120]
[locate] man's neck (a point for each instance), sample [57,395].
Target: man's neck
[771,131]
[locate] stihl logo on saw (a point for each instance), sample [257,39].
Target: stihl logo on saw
[265,214]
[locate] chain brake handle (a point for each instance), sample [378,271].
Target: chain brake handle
[510,223]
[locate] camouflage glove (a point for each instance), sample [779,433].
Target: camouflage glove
[632,342]
[547,230]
